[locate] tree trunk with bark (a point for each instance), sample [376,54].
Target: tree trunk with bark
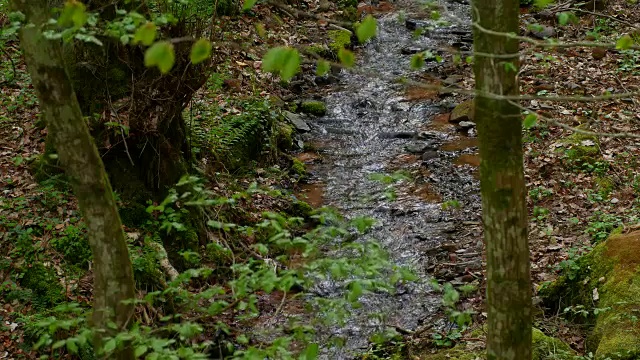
[112,272]
[502,183]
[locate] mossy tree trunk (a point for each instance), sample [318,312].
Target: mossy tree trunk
[502,183]
[112,272]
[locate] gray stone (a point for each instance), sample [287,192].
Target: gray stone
[418,148]
[543,31]
[429,154]
[296,121]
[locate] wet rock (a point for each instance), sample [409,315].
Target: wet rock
[410,50]
[427,135]
[397,135]
[463,112]
[412,24]
[418,148]
[466,125]
[297,121]
[543,31]
[326,80]
[453,79]
[313,107]
[429,154]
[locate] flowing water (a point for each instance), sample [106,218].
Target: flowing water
[372,122]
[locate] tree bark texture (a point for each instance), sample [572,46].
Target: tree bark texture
[112,272]
[504,210]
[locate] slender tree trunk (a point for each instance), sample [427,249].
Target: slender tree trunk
[504,210]
[112,273]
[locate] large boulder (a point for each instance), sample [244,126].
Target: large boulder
[607,283]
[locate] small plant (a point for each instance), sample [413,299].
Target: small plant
[451,204]
[601,225]
[540,192]
[540,213]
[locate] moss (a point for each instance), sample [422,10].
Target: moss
[134,215]
[321,50]
[612,269]
[459,352]
[605,185]
[43,282]
[350,14]
[463,112]
[298,167]
[546,347]
[284,136]
[339,39]
[301,208]
[313,107]
[582,148]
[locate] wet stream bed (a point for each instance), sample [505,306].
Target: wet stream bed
[377,125]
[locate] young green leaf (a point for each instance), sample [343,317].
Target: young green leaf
[509,66]
[282,60]
[366,29]
[74,13]
[417,61]
[563,18]
[160,54]
[200,51]
[310,353]
[145,34]
[140,350]
[624,43]
[248,4]
[541,4]
[530,121]
[72,346]
[346,57]
[322,67]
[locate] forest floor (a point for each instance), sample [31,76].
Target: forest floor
[576,195]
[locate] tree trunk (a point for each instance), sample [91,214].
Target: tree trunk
[502,183]
[112,273]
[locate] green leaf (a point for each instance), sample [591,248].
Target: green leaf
[74,13]
[72,346]
[530,121]
[624,43]
[109,346]
[283,60]
[366,29]
[58,344]
[140,350]
[323,67]
[311,352]
[160,54]
[541,4]
[417,61]
[563,18]
[200,51]
[248,4]
[145,34]
[355,290]
[509,66]
[346,57]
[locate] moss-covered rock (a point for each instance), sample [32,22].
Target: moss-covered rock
[459,352]
[339,39]
[284,137]
[547,347]
[463,112]
[581,148]
[605,185]
[298,167]
[313,107]
[609,280]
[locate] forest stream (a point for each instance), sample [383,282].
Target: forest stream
[373,127]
